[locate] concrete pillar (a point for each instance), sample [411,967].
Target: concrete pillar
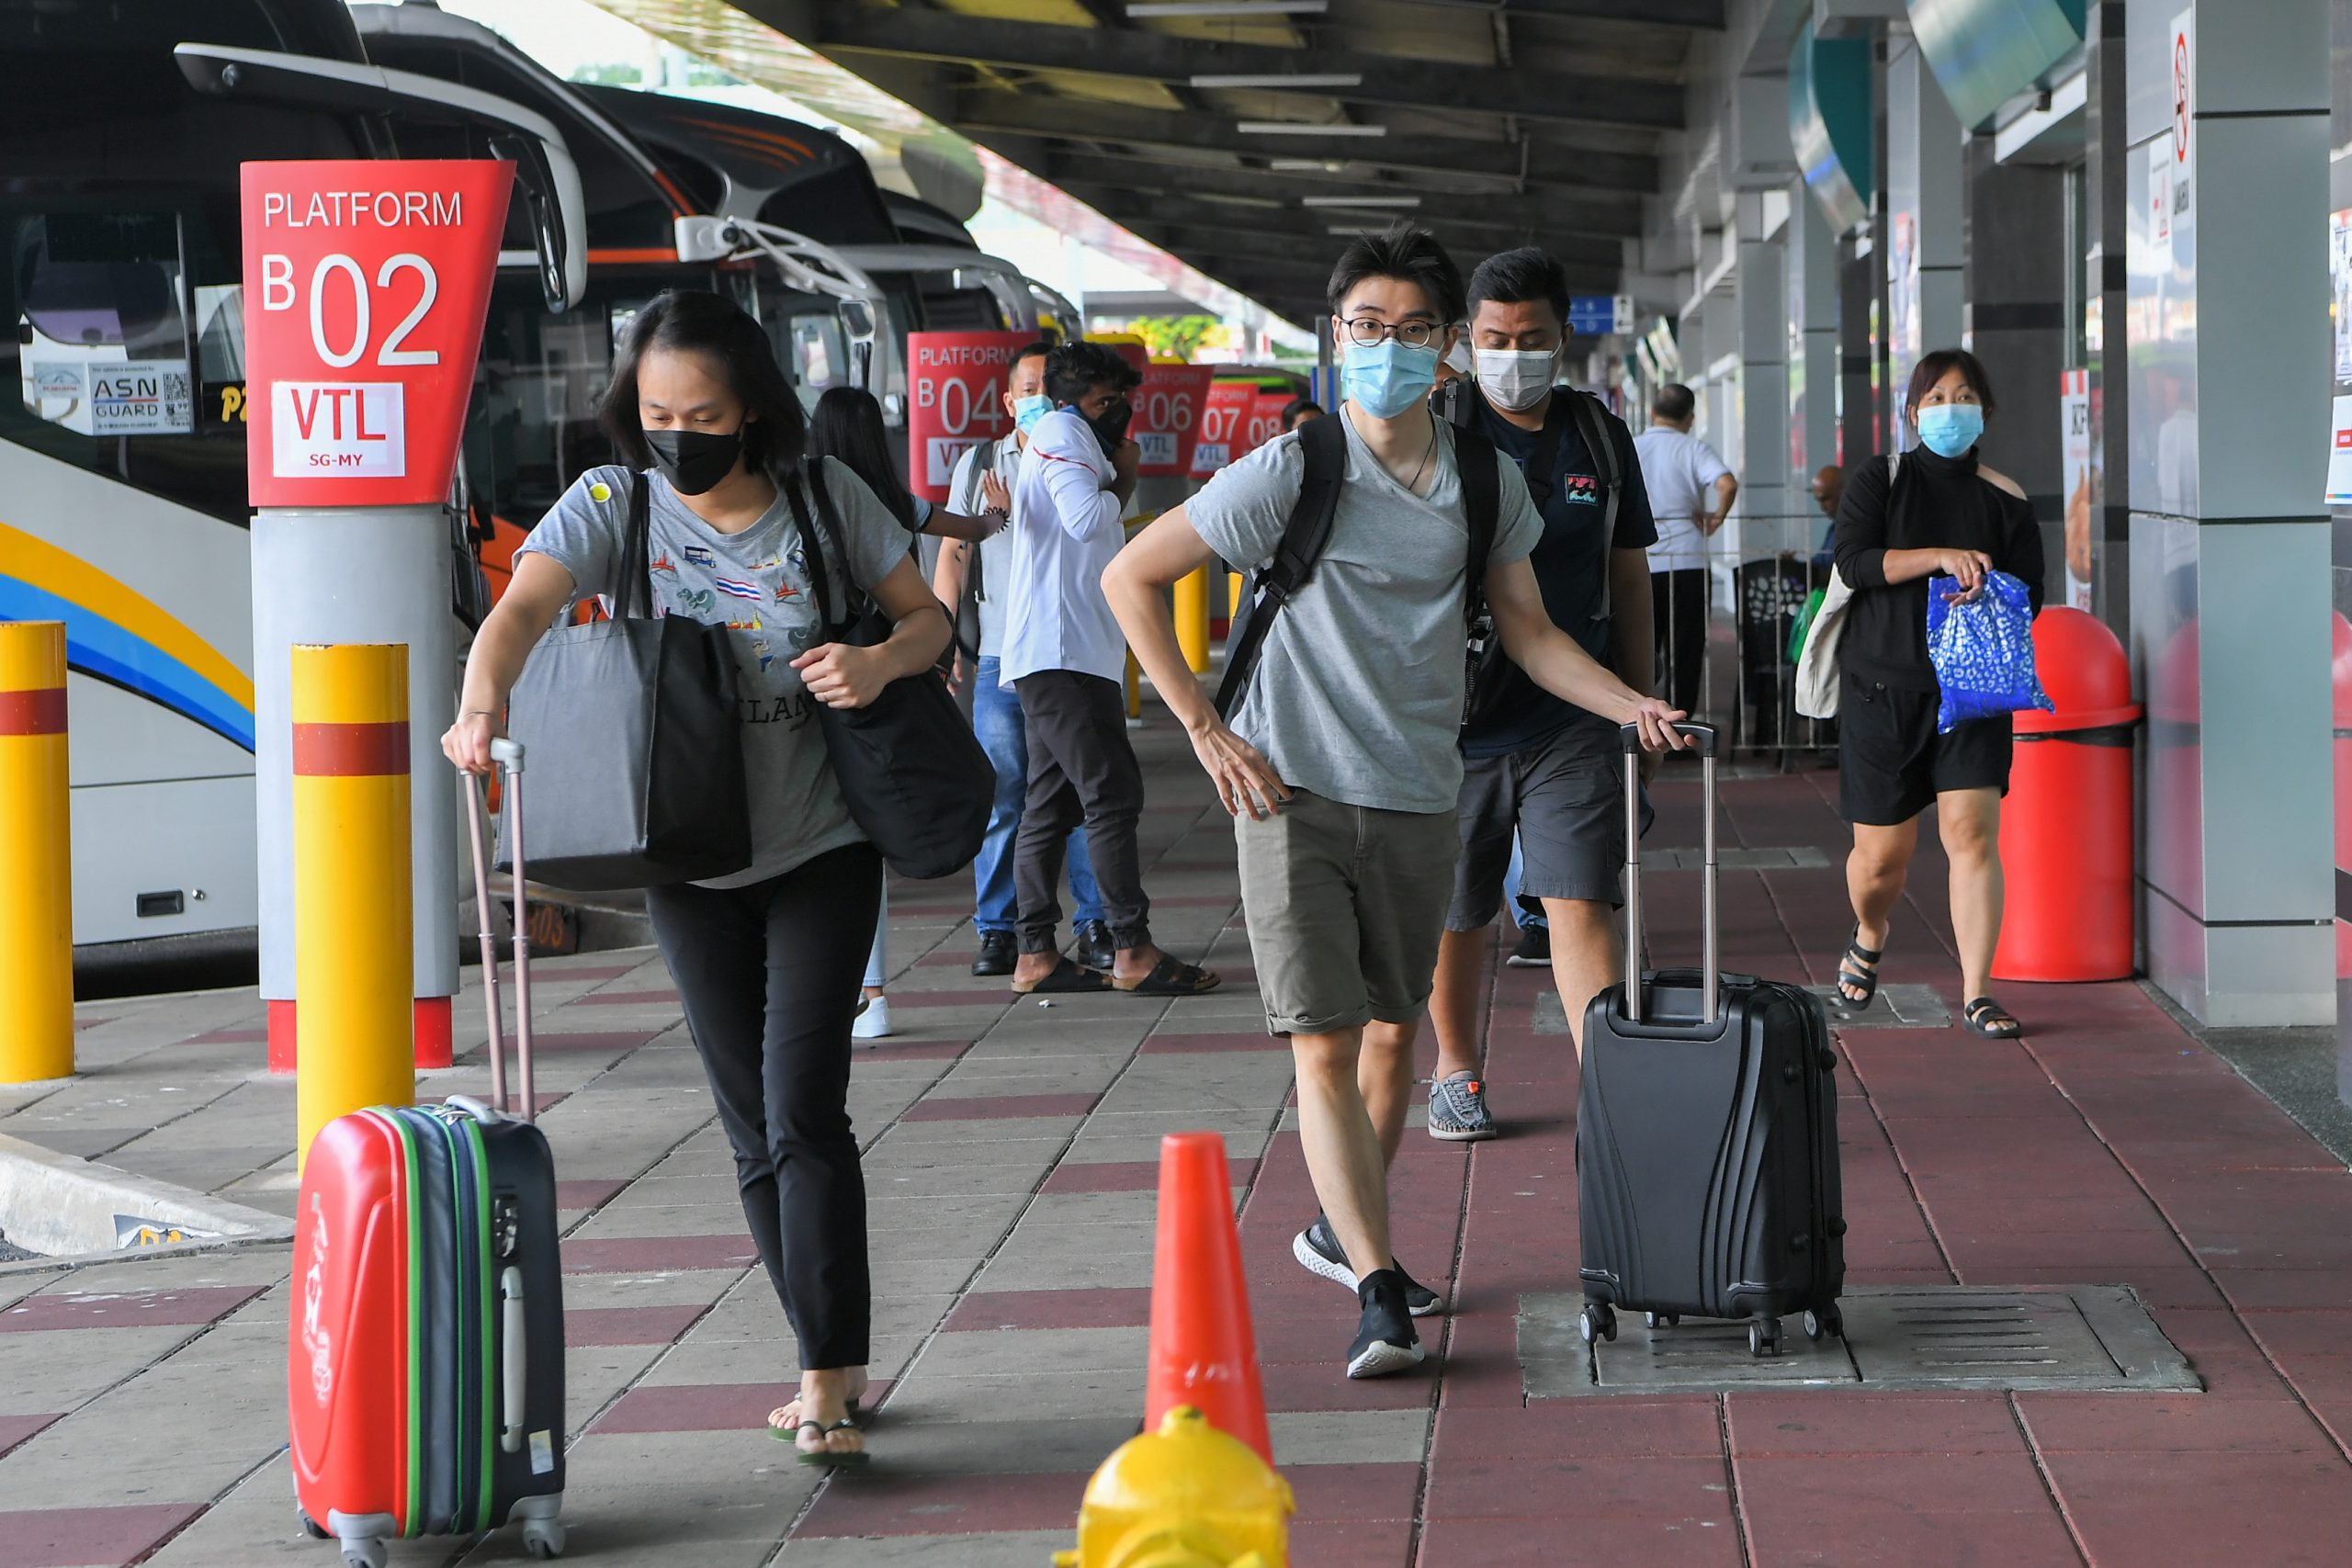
[1860,281]
[2105,289]
[1925,243]
[1764,522]
[1811,342]
[2016,315]
[2229,535]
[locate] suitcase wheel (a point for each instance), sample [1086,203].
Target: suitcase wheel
[368,1553]
[311,1527]
[1661,1319]
[543,1539]
[1828,1320]
[1598,1322]
[1764,1336]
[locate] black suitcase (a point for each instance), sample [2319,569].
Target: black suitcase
[1707,1137]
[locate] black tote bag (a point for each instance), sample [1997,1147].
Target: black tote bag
[916,781]
[637,752]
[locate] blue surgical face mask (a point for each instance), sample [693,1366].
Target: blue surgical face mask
[1028,411]
[1949,429]
[1387,377]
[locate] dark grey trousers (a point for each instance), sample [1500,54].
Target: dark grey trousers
[1082,770]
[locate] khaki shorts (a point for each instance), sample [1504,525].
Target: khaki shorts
[1346,907]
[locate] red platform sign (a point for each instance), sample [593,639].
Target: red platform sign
[1266,416]
[1225,419]
[955,400]
[1168,417]
[365,285]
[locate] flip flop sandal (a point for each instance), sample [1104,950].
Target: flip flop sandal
[1863,980]
[826,1459]
[786,1431]
[1065,977]
[1172,978]
[1989,1019]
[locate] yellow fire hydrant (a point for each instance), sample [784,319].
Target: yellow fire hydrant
[1185,1497]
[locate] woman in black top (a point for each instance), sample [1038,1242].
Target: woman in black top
[1947,516]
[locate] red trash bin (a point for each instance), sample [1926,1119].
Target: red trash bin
[2066,826]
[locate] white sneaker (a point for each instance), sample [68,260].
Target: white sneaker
[874,1023]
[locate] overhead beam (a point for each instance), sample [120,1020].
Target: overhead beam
[1309,259]
[982,113]
[1391,80]
[1704,15]
[1127,201]
[1617,220]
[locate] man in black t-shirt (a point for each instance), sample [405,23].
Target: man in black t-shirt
[1534,765]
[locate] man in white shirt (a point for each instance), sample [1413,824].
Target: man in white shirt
[982,486]
[1690,495]
[1066,657]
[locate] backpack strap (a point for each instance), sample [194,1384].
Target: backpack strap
[1323,442]
[1475,461]
[1592,424]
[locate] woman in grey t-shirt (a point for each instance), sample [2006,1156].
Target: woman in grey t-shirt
[767,960]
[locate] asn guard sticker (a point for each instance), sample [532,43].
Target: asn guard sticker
[327,429]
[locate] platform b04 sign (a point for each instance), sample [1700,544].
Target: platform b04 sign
[366,283]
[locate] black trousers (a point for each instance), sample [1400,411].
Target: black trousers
[1082,770]
[1678,608]
[769,974]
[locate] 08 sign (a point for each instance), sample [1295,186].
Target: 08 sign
[365,286]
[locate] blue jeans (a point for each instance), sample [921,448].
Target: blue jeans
[1519,916]
[996,718]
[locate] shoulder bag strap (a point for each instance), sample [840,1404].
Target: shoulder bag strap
[633,593]
[1304,539]
[820,580]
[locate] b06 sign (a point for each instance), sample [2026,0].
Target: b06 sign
[365,286]
[1167,426]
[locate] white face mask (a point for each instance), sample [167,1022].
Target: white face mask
[1515,380]
[1457,358]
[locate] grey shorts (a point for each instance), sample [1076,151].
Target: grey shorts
[1565,799]
[1346,907]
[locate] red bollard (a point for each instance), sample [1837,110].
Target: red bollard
[2066,826]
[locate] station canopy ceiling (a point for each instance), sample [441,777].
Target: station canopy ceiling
[1249,137]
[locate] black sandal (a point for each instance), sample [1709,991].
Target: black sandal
[1863,980]
[828,1459]
[1172,978]
[1065,979]
[1989,1019]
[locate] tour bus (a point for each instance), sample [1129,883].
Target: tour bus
[531,427]
[123,508]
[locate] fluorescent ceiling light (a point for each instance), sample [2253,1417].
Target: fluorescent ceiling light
[1353,230]
[1302,127]
[1230,8]
[1359,201]
[1304,165]
[1284,79]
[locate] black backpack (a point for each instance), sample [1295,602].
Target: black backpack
[1324,444]
[1492,675]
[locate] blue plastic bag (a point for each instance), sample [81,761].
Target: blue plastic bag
[1982,650]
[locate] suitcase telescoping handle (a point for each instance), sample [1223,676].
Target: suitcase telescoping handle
[1712,963]
[508,756]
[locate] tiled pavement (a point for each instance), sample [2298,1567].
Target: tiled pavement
[1011,1166]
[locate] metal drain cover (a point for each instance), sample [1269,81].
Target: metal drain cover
[2088,1337]
[1895,1006]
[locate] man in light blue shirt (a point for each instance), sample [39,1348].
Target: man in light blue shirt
[1066,657]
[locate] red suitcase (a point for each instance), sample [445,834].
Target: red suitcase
[424,1377]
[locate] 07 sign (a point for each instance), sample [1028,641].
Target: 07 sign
[365,285]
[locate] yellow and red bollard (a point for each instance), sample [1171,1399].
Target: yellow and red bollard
[36,863]
[1185,1497]
[353,938]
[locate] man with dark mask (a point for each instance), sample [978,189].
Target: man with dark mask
[1066,659]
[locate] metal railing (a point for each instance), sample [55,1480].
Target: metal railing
[1747,599]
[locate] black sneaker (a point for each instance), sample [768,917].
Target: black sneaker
[996,953]
[1534,948]
[1318,1252]
[1384,1341]
[1095,950]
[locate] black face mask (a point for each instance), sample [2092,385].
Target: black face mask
[695,460]
[1111,428]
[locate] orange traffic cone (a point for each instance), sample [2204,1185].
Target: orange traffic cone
[1203,1353]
